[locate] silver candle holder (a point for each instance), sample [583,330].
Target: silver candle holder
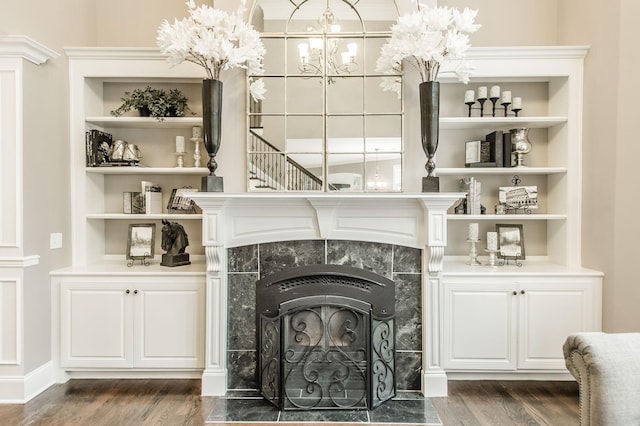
[473,253]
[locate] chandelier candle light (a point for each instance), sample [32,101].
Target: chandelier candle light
[314,60]
[425,39]
[217,41]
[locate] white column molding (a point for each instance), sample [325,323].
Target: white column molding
[16,384]
[433,376]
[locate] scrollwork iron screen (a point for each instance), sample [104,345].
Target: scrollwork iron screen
[326,338]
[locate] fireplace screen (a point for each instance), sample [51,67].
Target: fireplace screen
[326,338]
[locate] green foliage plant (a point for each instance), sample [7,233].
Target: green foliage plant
[151,102]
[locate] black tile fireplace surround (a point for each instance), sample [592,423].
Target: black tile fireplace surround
[248,264]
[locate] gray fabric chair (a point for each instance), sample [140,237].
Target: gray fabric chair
[607,369]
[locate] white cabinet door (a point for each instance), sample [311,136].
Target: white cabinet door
[504,323]
[479,325]
[169,325]
[95,325]
[549,312]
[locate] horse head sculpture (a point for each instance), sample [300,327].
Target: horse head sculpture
[174,237]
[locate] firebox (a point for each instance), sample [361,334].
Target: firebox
[326,338]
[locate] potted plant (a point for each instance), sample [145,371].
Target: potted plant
[152,102]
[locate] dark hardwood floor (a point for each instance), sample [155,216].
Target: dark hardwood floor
[178,402]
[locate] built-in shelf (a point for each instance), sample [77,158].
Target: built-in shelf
[453,123]
[145,122]
[126,216]
[507,217]
[455,171]
[141,170]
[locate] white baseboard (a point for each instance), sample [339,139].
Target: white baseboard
[214,382]
[21,389]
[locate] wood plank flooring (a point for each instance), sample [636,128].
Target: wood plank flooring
[178,402]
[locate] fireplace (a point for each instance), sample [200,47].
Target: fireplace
[326,338]
[245,223]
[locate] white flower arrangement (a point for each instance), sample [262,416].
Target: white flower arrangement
[215,40]
[425,39]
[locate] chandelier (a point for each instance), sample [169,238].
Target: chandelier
[377,183]
[316,58]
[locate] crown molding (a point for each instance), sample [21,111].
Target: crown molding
[25,47]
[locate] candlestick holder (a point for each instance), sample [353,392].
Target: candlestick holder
[179,158]
[470,106]
[505,105]
[482,101]
[473,253]
[493,100]
[196,153]
[492,258]
[516,111]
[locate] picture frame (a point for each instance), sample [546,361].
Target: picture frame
[510,241]
[141,241]
[518,197]
[178,203]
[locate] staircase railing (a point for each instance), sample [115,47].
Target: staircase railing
[277,171]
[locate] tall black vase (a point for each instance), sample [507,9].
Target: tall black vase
[211,131]
[430,129]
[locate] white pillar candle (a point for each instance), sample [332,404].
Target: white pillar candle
[196,132]
[492,240]
[495,92]
[473,231]
[482,92]
[180,144]
[469,96]
[517,103]
[506,97]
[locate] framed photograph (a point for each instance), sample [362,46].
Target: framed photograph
[141,241]
[178,203]
[510,241]
[518,197]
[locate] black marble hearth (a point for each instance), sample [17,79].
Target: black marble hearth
[248,264]
[250,407]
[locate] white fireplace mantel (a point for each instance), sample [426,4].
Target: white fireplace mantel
[236,219]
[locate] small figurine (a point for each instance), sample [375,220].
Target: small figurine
[174,242]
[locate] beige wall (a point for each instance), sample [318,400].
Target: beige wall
[610,227]
[512,23]
[610,146]
[624,295]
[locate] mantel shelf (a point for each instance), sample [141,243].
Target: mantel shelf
[144,122]
[447,123]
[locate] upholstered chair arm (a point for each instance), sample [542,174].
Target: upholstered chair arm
[607,369]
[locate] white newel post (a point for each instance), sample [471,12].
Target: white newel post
[416,220]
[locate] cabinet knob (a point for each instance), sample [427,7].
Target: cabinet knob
[128,291]
[136,292]
[515,293]
[522,291]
